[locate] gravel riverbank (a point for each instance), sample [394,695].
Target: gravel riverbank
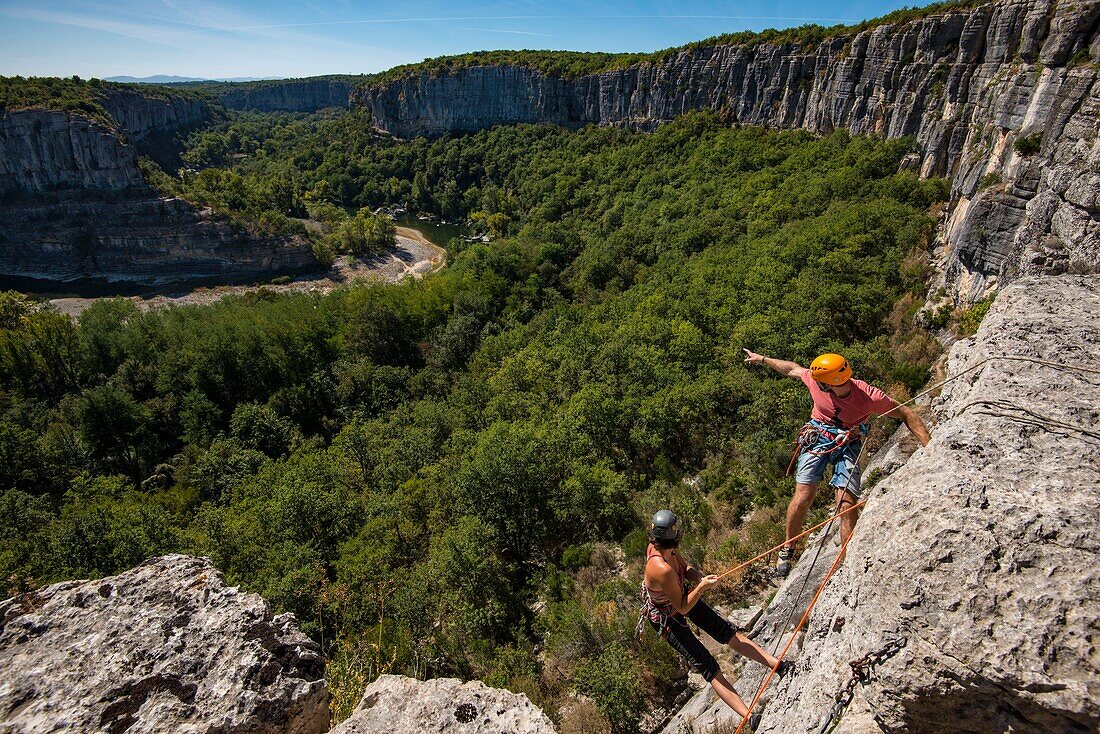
[412,256]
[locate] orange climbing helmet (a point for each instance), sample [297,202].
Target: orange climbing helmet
[832,369]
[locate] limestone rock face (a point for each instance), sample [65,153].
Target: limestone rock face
[394,704]
[968,84]
[979,556]
[294,95]
[156,125]
[44,150]
[165,647]
[75,205]
[143,116]
[134,236]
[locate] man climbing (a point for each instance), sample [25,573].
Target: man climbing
[668,604]
[832,436]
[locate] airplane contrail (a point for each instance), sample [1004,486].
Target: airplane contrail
[503,30]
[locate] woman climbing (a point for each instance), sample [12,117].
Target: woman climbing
[668,604]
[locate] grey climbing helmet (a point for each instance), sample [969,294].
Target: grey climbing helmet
[664,526]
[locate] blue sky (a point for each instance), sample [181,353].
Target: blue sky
[225,38]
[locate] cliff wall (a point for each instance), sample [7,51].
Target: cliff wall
[156,125]
[74,203]
[136,236]
[966,84]
[975,568]
[294,95]
[44,150]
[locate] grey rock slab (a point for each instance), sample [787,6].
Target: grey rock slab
[981,552]
[394,704]
[165,647]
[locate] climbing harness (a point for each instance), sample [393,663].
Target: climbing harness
[652,612]
[821,439]
[861,674]
[655,611]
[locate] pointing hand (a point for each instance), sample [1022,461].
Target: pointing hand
[752,357]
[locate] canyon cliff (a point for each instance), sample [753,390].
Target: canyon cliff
[292,95]
[74,203]
[1003,99]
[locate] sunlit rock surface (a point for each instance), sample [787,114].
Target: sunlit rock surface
[394,704]
[981,553]
[165,647]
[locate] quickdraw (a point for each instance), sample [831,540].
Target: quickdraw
[861,674]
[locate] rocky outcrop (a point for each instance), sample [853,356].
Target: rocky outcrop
[157,124]
[976,565]
[394,704]
[968,85]
[143,116]
[166,647]
[291,95]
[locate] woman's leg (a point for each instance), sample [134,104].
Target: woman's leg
[746,647]
[725,692]
[723,632]
[702,662]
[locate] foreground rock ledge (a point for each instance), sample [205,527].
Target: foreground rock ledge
[399,705]
[165,647]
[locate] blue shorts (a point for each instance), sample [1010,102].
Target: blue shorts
[811,467]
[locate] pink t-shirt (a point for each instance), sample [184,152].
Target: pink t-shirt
[861,402]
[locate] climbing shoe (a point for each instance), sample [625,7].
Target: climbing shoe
[754,721]
[783,668]
[783,566]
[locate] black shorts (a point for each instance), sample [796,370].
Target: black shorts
[684,641]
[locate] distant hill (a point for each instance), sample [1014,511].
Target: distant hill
[170,79]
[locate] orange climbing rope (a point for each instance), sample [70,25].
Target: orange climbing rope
[794,634]
[803,534]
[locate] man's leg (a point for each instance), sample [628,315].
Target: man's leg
[799,507]
[847,481]
[848,520]
[811,470]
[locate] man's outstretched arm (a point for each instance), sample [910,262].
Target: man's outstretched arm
[782,366]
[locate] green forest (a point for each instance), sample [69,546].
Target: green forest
[452,476]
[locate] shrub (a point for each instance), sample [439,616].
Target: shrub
[990,179]
[971,318]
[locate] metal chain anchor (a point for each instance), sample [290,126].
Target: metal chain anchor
[861,674]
